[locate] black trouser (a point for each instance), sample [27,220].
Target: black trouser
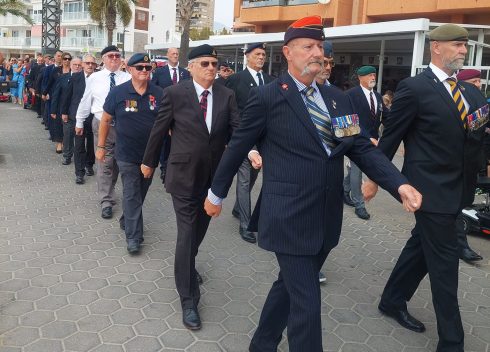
[165,153]
[192,224]
[68,137]
[245,180]
[37,105]
[135,187]
[84,148]
[462,240]
[294,301]
[432,249]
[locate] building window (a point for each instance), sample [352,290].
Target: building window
[151,40]
[167,36]
[153,18]
[141,16]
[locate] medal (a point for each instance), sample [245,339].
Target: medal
[152,102]
[127,106]
[334,104]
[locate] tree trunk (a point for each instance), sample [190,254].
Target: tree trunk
[186,9]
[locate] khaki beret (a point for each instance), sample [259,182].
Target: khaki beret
[448,32]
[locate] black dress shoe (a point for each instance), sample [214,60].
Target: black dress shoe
[235,213]
[122,225]
[79,180]
[362,213]
[66,161]
[90,170]
[469,255]
[191,319]
[403,318]
[199,278]
[107,213]
[134,247]
[248,236]
[348,200]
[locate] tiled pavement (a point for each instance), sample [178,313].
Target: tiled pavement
[67,283]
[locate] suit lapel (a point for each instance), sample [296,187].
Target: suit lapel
[289,90]
[441,89]
[194,102]
[217,107]
[249,80]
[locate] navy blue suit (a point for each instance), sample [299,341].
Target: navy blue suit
[369,125]
[299,211]
[161,76]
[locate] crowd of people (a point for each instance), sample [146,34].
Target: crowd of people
[130,119]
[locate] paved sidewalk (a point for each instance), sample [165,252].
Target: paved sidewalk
[67,283]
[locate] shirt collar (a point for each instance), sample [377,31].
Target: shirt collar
[171,67]
[366,91]
[108,73]
[440,74]
[253,72]
[200,89]
[301,87]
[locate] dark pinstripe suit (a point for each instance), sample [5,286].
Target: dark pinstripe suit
[299,212]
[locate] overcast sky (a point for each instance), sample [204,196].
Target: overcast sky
[223,12]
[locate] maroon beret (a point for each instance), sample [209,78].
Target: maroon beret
[463,75]
[307,27]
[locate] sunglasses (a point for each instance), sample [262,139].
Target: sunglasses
[207,63]
[144,67]
[67,58]
[329,62]
[113,56]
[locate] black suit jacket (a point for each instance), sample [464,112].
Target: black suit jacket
[161,76]
[70,99]
[442,158]
[194,152]
[61,85]
[369,125]
[299,210]
[50,75]
[241,83]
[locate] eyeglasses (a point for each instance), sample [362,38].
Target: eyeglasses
[90,63]
[143,67]
[113,56]
[330,62]
[207,63]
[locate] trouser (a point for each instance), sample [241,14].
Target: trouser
[294,301]
[84,148]
[462,240]
[68,137]
[38,105]
[107,170]
[164,154]
[432,249]
[56,128]
[135,188]
[246,177]
[352,185]
[192,224]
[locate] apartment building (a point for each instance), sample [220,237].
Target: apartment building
[202,15]
[269,16]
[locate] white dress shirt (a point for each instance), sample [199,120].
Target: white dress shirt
[254,75]
[96,90]
[209,111]
[367,93]
[171,69]
[443,76]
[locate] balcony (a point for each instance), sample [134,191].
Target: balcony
[18,42]
[75,17]
[82,43]
[10,20]
[262,3]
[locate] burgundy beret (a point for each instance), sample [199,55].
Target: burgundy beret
[463,75]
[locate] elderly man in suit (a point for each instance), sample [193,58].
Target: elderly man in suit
[303,132]
[369,106]
[83,151]
[241,83]
[167,76]
[442,123]
[202,116]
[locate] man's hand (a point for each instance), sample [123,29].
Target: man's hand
[78,131]
[374,141]
[100,154]
[256,160]
[211,209]
[64,118]
[44,97]
[53,116]
[146,171]
[411,198]
[369,190]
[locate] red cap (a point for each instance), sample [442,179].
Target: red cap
[463,75]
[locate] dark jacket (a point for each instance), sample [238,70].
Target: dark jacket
[161,76]
[369,125]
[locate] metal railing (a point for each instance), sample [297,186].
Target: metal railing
[18,42]
[82,43]
[75,16]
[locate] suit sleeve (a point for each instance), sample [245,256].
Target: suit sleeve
[66,98]
[251,128]
[154,79]
[45,80]
[398,120]
[160,129]
[234,116]
[55,99]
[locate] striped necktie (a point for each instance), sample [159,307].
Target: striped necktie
[204,103]
[320,118]
[174,76]
[113,80]
[458,98]
[373,108]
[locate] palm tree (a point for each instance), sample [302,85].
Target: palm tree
[15,8]
[106,12]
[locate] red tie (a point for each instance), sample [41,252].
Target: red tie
[204,103]
[174,76]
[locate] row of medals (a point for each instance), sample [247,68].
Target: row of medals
[347,131]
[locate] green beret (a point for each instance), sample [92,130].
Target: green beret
[448,32]
[365,70]
[139,58]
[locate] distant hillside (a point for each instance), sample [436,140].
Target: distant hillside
[218,26]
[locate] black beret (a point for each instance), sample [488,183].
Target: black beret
[253,46]
[307,27]
[139,58]
[225,64]
[108,49]
[202,50]
[448,32]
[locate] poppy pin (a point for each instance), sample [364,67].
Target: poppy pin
[284,86]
